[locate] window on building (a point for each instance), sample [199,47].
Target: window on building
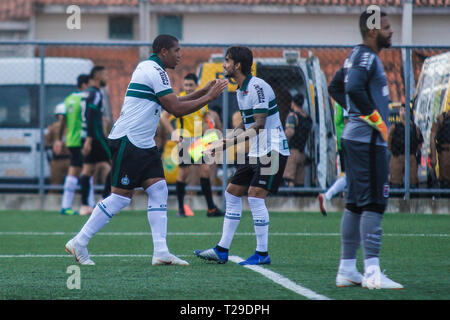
[120,28]
[169,24]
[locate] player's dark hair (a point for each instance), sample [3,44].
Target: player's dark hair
[364,18]
[82,79]
[191,76]
[163,41]
[242,55]
[96,70]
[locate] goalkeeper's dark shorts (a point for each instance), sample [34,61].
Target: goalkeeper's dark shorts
[132,165]
[341,159]
[367,171]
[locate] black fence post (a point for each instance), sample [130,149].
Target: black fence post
[407,121]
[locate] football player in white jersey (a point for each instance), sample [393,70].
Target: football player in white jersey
[262,169]
[135,157]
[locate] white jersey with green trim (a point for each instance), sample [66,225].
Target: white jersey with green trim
[257,96]
[141,110]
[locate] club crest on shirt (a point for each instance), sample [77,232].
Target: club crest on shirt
[386,190]
[125,181]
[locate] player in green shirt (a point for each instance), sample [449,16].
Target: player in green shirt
[72,124]
[340,119]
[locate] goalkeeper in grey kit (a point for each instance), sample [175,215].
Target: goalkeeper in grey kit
[361,87]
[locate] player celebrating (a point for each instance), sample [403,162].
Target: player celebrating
[136,159]
[265,163]
[363,84]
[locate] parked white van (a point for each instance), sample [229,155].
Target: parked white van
[20,137]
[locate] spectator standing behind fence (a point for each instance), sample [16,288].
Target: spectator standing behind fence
[60,157]
[396,145]
[298,127]
[440,144]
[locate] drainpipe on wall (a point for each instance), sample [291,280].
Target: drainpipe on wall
[407,37]
[144,28]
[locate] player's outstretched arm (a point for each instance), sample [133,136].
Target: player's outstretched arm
[254,130]
[235,137]
[198,93]
[178,107]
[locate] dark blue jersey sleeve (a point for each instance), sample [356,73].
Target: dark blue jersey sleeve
[356,86]
[91,119]
[336,89]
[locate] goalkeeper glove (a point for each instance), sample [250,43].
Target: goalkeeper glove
[374,120]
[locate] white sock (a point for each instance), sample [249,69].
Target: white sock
[157,216]
[261,222]
[101,215]
[70,186]
[347,265]
[91,197]
[338,186]
[375,261]
[231,220]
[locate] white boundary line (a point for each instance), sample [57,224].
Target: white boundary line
[281,280]
[91,255]
[271,275]
[288,234]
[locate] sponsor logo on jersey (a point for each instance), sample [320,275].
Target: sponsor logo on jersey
[163,75]
[260,93]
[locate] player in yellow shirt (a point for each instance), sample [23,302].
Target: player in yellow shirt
[190,128]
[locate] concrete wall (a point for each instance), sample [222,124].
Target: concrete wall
[94,27]
[431,30]
[51,202]
[53,27]
[250,28]
[276,29]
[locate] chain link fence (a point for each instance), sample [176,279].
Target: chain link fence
[35,77]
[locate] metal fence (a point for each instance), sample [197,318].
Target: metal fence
[36,76]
